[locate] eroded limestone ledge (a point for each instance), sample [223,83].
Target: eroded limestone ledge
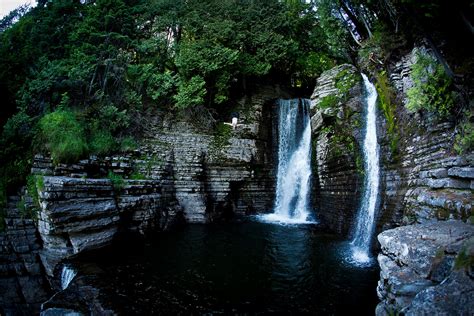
[426,269]
[82,214]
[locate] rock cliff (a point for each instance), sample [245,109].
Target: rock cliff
[427,180]
[422,177]
[337,107]
[23,286]
[423,181]
[184,170]
[426,269]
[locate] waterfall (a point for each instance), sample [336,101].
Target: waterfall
[67,274]
[364,228]
[294,162]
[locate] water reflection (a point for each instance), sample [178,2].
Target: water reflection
[239,268]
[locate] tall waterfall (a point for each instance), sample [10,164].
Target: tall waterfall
[294,162]
[67,274]
[364,228]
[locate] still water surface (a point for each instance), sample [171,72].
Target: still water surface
[247,267]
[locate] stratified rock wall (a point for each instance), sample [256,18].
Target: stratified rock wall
[426,269]
[426,180]
[422,177]
[22,284]
[83,214]
[188,171]
[337,107]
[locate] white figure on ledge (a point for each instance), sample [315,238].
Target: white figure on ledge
[234,120]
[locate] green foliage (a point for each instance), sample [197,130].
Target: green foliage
[345,80]
[28,210]
[137,176]
[329,101]
[191,93]
[464,141]
[63,135]
[40,182]
[376,50]
[15,154]
[128,144]
[464,259]
[431,89]
[222,135]
[101,142]
[33,184]
[315,63]
[336,33]
[118,183]
[388,107]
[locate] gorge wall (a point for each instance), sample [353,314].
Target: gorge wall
[185,170]
[423,181]
[337,114]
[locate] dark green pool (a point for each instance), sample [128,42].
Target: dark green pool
[247,267]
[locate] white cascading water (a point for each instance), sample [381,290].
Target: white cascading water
[364,228]
[294,163]
[67,274]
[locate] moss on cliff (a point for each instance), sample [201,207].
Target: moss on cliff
[386,96]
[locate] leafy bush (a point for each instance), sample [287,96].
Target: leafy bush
[63,135]
[128,144]
[191,93]
[15,153]
[431,87]
[33,183]
[118,183]
[345,80]
[464,141]
[102,142]
[328,101]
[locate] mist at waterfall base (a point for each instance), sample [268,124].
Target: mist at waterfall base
[294,164]
[249,267]
[365,222]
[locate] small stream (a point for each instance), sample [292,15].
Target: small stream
[249,267]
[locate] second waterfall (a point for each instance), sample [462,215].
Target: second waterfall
[364,228]
[294,162]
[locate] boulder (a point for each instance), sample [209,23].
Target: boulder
[421,268]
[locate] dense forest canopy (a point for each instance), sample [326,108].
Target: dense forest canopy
[77,77]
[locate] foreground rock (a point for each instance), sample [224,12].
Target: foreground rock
[427,269]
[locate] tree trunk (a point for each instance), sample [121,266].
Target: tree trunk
[359,27]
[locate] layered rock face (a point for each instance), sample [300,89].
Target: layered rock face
[217,172]
[188,170]
[423,181]
[428,180]
[337,107]
[427,269]
[427,183]
[22,284]
[84,214]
